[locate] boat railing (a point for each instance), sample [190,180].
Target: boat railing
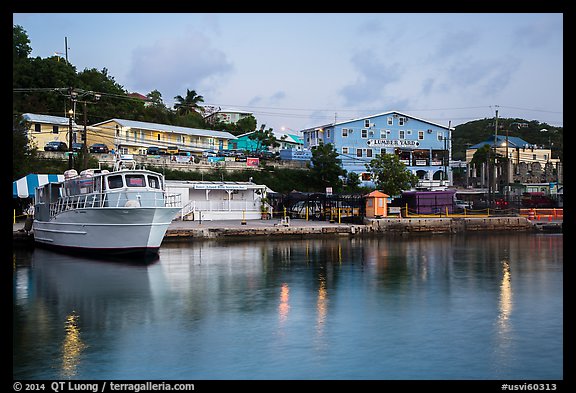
[114,199]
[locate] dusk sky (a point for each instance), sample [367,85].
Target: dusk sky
[300,70]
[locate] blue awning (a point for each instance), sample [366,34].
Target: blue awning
[24,187]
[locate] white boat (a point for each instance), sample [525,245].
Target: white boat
[126,210]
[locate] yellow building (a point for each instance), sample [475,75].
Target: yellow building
[518,150]
[135,137]
[45,128]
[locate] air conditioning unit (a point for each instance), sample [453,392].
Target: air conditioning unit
[372,124]
[371,133]
[429,131]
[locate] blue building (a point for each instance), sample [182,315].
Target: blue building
[423,146]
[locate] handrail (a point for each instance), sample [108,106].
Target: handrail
[102,199]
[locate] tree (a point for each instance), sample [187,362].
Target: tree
[22,155]
[326,167]
[264,139]
[390,175]
[189,105]
[21,43]
[352,182]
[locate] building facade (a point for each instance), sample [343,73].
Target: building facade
[227,116]
[527,163]
[423,146]
[42,129]
[135,137]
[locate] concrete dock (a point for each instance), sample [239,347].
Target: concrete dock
[188,230]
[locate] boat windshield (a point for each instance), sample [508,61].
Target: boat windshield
[115,182]
[135,181]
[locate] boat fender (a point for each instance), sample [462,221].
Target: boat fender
[132,203]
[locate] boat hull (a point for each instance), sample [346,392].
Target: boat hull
[109,230]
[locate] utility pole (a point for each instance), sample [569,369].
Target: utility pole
[446,151]
[66,48]
[494,168]
[70,140]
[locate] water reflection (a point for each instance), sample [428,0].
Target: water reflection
[284,305]
[351,308]
[72,347]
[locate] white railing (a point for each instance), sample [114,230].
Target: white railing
[219,206]
[115,199]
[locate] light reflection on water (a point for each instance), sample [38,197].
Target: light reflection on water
[449,307]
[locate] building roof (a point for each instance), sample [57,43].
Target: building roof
[169,128]
[241,112]
[513,141]
[291,138]
[376,115]
[378,194]
[47,119]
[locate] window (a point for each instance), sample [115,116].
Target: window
[115,182]
[158,137]
[367,123]
[358,152]
[440,136]
[382,134]
[366,176]
[154,182]
[420,135]
[54,129]
[401,135]
[344,150]
[368,152]
[344,132]
[38,127]
[135,181]
[364,133]
[400,121]
[389,121]
[534,156]
[327,133]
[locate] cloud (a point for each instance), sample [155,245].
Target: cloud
[538,34]
[455,43]
[484,76]
[173,65]
[372,80]
[273,99]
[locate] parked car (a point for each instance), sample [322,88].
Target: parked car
[99,148]
[153,151]
[56,146]
[77,146]
[172,150]
[460,204]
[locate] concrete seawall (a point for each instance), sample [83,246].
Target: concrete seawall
[189,230]
[450,224]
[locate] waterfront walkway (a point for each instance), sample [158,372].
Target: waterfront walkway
[188,230]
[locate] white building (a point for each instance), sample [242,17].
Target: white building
[213,200]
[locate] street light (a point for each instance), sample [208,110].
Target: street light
[70,140]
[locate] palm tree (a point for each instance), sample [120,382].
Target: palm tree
[189,105]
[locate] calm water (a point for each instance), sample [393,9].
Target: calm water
[425,308]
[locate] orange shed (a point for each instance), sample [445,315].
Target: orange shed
[376,204]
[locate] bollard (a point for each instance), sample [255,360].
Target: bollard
[243,222]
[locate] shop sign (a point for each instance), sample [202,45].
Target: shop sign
[393,143]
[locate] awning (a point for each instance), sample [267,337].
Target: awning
[24,187]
